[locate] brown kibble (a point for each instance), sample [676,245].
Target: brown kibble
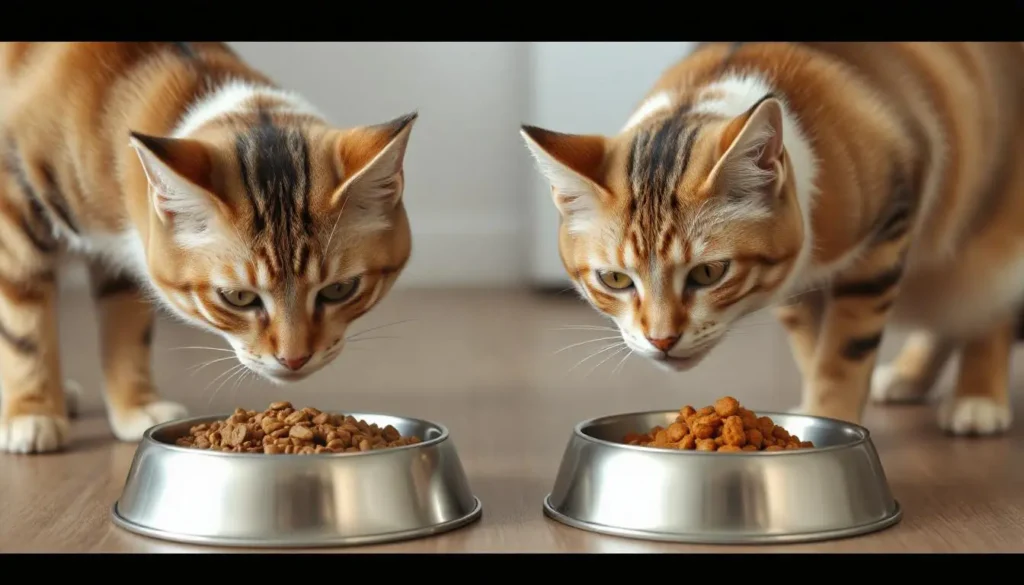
[706,445]
[689,442]
[322,418]
[390,433]
[296,417]
[300,433]
[279,432]
[749,419]
[780,433]
[702,431]
[336,444]
[727,406]
[754,438]
[727,426]
[280,405]
[676,432]
[271,449]
[364,445]
[214,438]
[733,433]
[661,438]
[239,434]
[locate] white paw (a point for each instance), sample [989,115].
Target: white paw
[72,397]
[33,433]
[888,387]
[974,415]
[129,425]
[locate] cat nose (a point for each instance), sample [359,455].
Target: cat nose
[294,363]
[664,343]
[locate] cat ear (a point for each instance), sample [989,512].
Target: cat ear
[371,160]
[572,164]
[180,174]
[749,170]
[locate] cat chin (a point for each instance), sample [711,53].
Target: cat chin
[676,365]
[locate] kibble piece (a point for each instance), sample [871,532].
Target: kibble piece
[280,405]
[676,432]
[689,442]
[773,448]
[706,445]
[238,435]
[702,431]
[733,433]
[766,426]
[300,433]
[727,406]
[754,438]
[729,449]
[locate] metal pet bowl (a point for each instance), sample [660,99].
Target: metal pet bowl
[835,490]
[330,499]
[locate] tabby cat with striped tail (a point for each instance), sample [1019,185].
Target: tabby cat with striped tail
[849,185]
[190,180]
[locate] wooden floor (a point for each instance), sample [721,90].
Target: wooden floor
[483,364]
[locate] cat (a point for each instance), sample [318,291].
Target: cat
[189,181]
[846,186]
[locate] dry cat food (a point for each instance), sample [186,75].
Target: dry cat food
[726,427]
[283,429]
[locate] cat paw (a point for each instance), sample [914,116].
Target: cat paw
[129,425]
[33,433]
[889,387]
[73,397]
[974,415]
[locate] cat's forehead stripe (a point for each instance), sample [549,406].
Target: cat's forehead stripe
[275,169]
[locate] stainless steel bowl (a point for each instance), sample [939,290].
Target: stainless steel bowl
[256,500]
[838,489]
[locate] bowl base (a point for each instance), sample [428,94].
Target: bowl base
[300,542]
[726,539]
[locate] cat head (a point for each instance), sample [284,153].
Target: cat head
[677,227]
[276,235]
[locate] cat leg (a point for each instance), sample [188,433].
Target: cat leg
[33,415]
[856,312]
[913,373]
[980,403]
[126,325]
[801,319]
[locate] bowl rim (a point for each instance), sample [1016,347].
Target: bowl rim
[578,432]
[149,439]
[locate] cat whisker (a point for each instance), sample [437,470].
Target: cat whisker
[597,353]
[619,365]
[355,335]
[211,362]
[233,372]
[610,356]
[585,342]
[347,341]
[222,374]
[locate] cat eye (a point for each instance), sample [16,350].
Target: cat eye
[707,274]
[241,299]
[614,280]
[339,291]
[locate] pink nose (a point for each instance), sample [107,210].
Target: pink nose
[294,364]
[665,343]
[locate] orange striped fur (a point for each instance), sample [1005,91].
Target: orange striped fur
[847,185]
[187,179]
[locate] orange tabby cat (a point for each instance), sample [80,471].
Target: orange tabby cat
[177,168]
[851,185]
